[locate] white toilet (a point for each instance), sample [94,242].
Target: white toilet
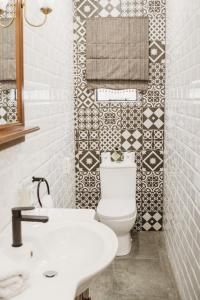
[117,207]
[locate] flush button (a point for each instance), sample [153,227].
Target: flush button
[50,274]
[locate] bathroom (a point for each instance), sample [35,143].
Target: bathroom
[99,149]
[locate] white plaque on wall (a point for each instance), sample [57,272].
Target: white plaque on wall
[116,95]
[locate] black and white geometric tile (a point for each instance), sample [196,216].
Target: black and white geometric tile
[156,28]
[82,135]
[84,98]
[138,222]
[88,145]
[154,97]
[88,181]
[156,8]
[153,118]
[109,8]
[3,115]
[88,118]
[110,116]
[93,135]
[131,116]
[153,144]
[157,52]
[152,201]
[83,145]
[152,221]
[152,161]
[138,160]
[12,114]
[132,8]
[157,74]
[152,181]
[90,135]
[8,106]
[76,159]
[87,8]
[88,161]
[128,126]
[87,200]
[139,201]
[94,145]
[131,140]
[87,139]
[79,36]
[153,139]
[110,139]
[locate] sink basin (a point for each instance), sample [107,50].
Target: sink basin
[76,248]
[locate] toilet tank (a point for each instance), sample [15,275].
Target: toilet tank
[118,180]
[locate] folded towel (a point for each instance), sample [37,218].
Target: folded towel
[13,278]
[11,281]
[15,286]
[10,269]
[47,201]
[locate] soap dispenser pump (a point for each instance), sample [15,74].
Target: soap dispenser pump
[117,155]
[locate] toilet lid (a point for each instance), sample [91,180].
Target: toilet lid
[115,208]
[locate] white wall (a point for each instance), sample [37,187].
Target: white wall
[48,66]
[182,145]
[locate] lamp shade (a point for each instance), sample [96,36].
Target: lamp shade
[46,4]
[3,4]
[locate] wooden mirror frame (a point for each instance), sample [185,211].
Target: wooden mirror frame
[11,134]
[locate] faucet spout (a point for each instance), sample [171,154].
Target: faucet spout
[17,218]
[40,219]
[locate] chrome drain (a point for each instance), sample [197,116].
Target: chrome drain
[50,274]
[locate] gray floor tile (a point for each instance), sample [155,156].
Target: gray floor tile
[145,245]
[105,295]
[140,277]
[144,274]
[140,297]
[103,286]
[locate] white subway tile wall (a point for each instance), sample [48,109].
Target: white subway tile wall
[182,145]
[48,62]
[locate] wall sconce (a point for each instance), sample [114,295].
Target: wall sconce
[45,6]
[3,6]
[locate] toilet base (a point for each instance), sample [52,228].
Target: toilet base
[124,244]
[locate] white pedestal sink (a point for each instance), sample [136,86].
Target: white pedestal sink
[72,244]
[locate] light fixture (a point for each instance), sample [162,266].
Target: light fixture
[45,6]
[3,6]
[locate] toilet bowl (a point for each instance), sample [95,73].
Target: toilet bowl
[117,207]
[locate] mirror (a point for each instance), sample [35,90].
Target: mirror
[8,67]
[12,125]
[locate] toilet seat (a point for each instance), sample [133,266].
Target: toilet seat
[116,209]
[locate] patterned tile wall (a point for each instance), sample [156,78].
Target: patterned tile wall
[8,106]
[129,126]
[8,102]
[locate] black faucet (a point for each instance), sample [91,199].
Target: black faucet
[17,218]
